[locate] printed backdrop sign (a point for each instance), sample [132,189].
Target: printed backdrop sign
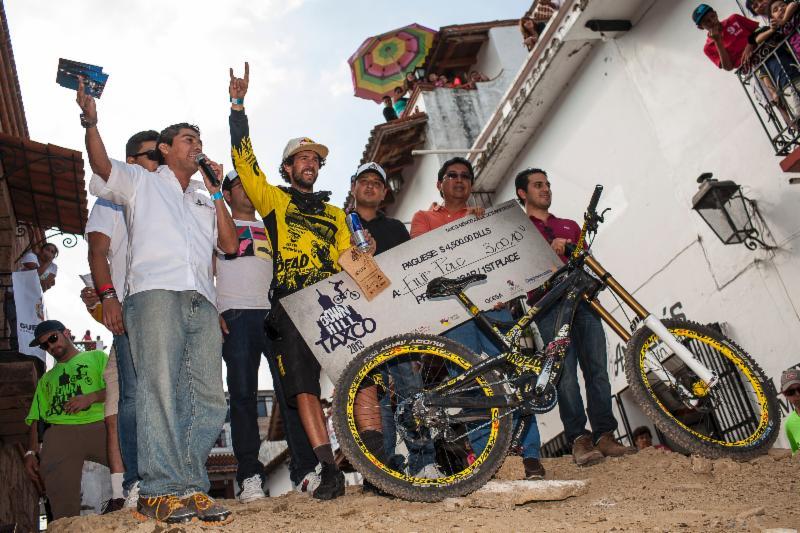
[30,309]
[337,321]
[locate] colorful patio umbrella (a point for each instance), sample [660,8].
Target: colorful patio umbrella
[381,63]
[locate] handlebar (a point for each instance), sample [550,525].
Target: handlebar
[590,222]
[598,190]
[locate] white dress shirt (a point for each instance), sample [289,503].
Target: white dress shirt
[108,218]
[171,233]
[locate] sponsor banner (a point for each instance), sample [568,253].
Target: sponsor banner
[337,321]
[30,309]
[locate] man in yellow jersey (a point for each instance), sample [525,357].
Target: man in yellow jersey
[307,235]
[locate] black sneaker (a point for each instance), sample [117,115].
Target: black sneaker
[206,508]
[534,469]
[114,504]
[331,483]
[169,509]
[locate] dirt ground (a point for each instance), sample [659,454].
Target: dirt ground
[650,491]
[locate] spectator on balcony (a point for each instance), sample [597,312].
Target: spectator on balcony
[388,110]
[474,78]
[400,100]
[759,9]
[433,78]
[781,70]
[781,15]
[47,268]
[443,81]
[530,31]
[411,81]
[728,43]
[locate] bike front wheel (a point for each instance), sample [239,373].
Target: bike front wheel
[738,418]
[429,453]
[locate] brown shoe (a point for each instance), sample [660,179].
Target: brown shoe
[168,509]
[584,453]
[534,469]
[609,446]
[207,509]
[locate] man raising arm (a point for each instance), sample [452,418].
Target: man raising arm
[170,315]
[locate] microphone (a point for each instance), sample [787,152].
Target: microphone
[202,160]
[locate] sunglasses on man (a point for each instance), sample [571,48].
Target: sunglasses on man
[453,175]
[791,392]
[45,344]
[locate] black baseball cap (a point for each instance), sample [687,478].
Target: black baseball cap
[42,328]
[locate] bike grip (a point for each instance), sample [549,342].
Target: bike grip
[598,190]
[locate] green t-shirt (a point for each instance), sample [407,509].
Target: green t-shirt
[83,374]
[793,430]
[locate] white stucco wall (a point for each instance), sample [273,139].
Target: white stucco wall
[645,116]
[503,51]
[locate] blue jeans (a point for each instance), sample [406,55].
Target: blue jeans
[471,336]
[126,415]
[407,382]
[176,345]
[587,347]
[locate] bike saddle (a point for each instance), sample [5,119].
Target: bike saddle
[438,287]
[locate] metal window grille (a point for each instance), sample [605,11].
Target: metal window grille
[771,80]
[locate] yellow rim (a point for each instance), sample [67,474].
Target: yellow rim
[429,350]
[745,371]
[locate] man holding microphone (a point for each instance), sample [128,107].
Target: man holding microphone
[169,313]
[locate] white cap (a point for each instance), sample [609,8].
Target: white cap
[370,167]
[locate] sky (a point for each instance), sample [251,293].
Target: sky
[168,62]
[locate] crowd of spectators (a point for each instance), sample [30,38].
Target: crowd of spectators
[395,104]
[765,47]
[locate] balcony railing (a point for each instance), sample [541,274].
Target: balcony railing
[771,80]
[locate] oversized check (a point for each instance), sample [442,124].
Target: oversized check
[337,322]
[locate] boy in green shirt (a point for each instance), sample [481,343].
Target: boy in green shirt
[69,398]
[790,388]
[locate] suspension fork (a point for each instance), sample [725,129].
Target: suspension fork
[654,324]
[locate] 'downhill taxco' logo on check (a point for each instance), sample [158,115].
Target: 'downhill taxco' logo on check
[341,325]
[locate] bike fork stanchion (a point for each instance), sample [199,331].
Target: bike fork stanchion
[709,377]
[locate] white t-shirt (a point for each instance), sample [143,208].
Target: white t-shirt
[29,257]
[243,279]
[172,232]
[108,218]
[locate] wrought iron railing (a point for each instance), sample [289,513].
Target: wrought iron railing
[771,80]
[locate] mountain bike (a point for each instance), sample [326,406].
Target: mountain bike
[703,391]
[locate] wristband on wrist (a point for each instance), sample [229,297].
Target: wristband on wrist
[217,196]
[29,452]
[237,101]
[109,294]
[104,288]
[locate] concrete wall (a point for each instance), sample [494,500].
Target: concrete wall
[503,51]
[646,115]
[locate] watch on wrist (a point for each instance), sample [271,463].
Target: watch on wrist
[29,452]
[87,123]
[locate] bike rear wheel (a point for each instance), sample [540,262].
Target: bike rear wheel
[404,368]
[738,418]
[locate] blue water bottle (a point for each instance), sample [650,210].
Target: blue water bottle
[354,223]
